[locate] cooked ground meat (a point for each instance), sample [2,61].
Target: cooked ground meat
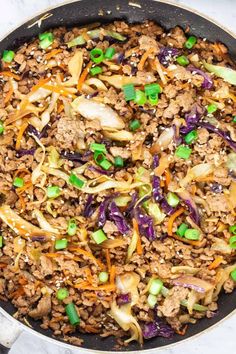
[106,199]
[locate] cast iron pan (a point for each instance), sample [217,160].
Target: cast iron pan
[167,15]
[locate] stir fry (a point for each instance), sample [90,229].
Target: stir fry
[117,180]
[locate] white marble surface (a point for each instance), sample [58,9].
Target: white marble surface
[217,340]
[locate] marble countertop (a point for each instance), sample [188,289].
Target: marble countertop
[216,340]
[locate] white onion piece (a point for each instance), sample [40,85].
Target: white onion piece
[97,83]
[188,281]
[75,66]
[231,161]
[39,95]
[220,245]
[118,81]
[197,172]
[128,283]
[232,195]
[121,135]
[92,110]
[43,223]
[164,140]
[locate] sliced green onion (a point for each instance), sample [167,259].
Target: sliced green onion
[232,242]
[153,99]
[99,236]
[152,89]
[1,241]
[62,294]
[53,192]
[234,119]
[190,43]
[18,182]
[103,277]
[46,39]
[119,161]
[95,71]
[8,56]
[232,229]
[61,244]
[182,60]
[76,41]
[172,199]
[211,108]
[75,181]
[110,52]
[1,127]
[97,55]
[192,234]
[72,314]
[152,300]
[190,137]
[98,157]
[233,274]
[98,147]
[72,227]
[182,229]
[140,98]
[134,124]
[155,287]
[129,92]
[183,152]
[105,164]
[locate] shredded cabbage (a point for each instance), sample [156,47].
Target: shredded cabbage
[228,74]
[37,172]
[43,223]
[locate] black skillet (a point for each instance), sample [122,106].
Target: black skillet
[80,13]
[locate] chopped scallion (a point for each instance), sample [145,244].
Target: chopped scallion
[97,55]
[140,97]
[232,242]
[53,192]
[72,227]
[182,60]
[95,71]
[18,182]
[110,52]
[103,277]
[1,241]
[61,244]
[119,161]
[62,294]
[72,314]
[232,229]
[192,234]
[129,92]
[99,236]
[98,147]
[152,89]
[8,56]
[182,229]
[152,300]
[233,274]
[75,181]
[155,286]
[211,108]
[134,124]
[1,127]
[190,43]
[183,152]
[191,137]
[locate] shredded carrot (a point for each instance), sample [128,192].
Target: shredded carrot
[89,275]
[60,108]
[108,259]
[22,172]
[22,202]
[91,329]
[9,94]
[26,186]
[91,295]
[22,280]
[10,74]
[20,135]
[162,183]
[82,284]
[112,275]
[57,319]
[19,292]
[167,177]
[139,247]
[3,265]
[172,219]
[193,189]
[52,53]
[182,331]
[215,264]
[189,242]
[83,76]
[107,287]
[144,58]
[59,89]
[40,84]
[160,71]
[87,254]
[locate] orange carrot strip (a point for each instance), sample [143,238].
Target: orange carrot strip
[21,190]
[91,329]
[83,76]
[60,90]
[9,94]
[20,135]
[3,265]
[60,108]
[172,219]
[189,242]
[112,275]
[168,177]
[10,74]
[139,247]
[215,264]
[22,171]
[89,275]
[87,254]
[182,331]
[108,287]
[22,202]
[108,259]
[40,83]
[52,53]
[144,58]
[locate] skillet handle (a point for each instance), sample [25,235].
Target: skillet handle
[4,350]
[10,331]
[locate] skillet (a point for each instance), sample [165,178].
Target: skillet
[168,15]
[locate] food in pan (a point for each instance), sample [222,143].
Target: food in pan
[117,180]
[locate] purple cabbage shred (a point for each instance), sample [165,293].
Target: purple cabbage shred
[145,224]
[166,55]
[157,328]
[207,83]
[24,152]
[88,209]
[123,299]
[223,134]
[118,218]
[192,119]
[33,131]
